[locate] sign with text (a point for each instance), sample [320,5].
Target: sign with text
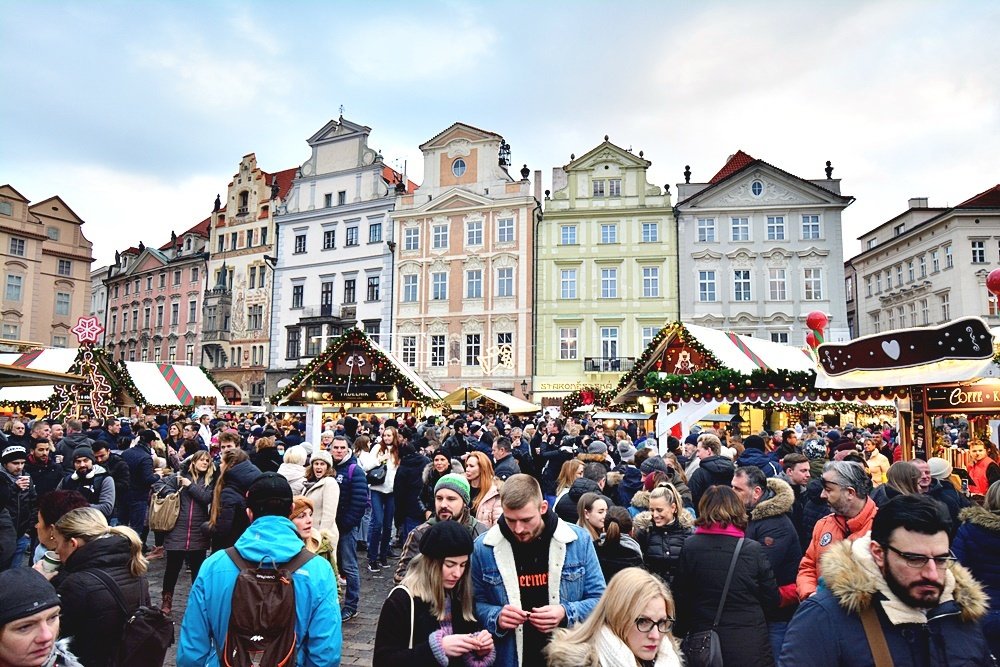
[979,397]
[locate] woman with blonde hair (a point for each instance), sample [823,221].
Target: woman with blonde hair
[323,491]
[484,489]
[902,479]
[662,531]
[571,471]
[629,627]
[319,542]
[383,503]
[98,562]
[293,468]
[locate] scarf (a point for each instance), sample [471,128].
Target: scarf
[719,529]
[613,652]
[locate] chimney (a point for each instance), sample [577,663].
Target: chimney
[918,202]
[538,184]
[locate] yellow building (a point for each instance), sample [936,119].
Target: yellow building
[606,277]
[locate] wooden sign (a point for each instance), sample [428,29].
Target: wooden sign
[978,397]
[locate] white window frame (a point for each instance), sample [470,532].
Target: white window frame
[777,284]
[505,281]
[474,284]
[505,230]
[474,233]
[567,283]
[439,238]
[609,283]
[651,282]
[300,244]
[650,232]
[978,249]
[439,286]
[812,284]
[411,287]
[569,343]
[706,230]
[739,227]
[411,238]
[439,351]
[776,228]
[567,235]
[609,233]
[708,291]
[742,285]
[812,228]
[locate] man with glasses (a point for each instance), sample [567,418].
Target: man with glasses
[846,487]
[898,586]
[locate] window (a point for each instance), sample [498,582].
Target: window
[706,286]
[878,283]
[341,197]
[177,278]
[923,265]
[149,283]
[609,342]
[16,246]
[650,281]
[437,351]
[11,331]
[992,305]
[136,283]
[598,188]
[439,237]
[298,295]
[609,233]
[189,354]
[439,286]
[505,230]
[65,267]
[474,233]
[250,234]
[14,284]
[810,229]
[116,290]
[211,318]
[775,228]
[328,199]
[159,315]
[474,284]
[128,287]
[410,288]
[910,273]
[350,290]
[409,349]
[192,312]
[221,245]
[194,275]
[849,289]
[978,252]
[740,229]
[373,288]
[163,280]
[776,285]
[175,313]
[568,338]
[62,303]
[615,187]
[650,232]
[949,260]
[135,319]
[260,277]
[868,285]
[913,314]
[648,334]
[925,312]
[779,337]
[375,232]
[146,315]
[472,349]
[741,285]
[891,317]
[157,355]
[812,282]
[263,235]
[567,282]
[458,168]
[945,307]
[706,230]
[505,281]
[171,354]
[352,236]
[329,239]
[505,341]
[253,277]
[899,229]
[567,235]
[935,261]
[59,341]
[876,322]
[411,238]
[899,275]
[233,240]
[300,244]
[292,344]
[6,208]
[609,283]
[756,188]
[314,340]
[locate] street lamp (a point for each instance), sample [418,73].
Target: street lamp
[524,388]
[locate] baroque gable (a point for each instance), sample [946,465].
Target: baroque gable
[763,186]
[606,153]
[459,132]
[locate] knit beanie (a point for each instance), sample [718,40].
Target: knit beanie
[299,505]
[322,455]
[654,463]
[597,447]
[84,450]
[446,539]
[939,467]
[25,593]
[13,453]
[456,483]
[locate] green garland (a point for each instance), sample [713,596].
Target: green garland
[314,370]
[672,329]
[211,378]
[575,399]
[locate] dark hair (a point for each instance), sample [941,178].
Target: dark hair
[595,471]
[189,446]
[617,522]
[99,445]
[503,443]
[793,459]
[914,512]
[754,476]
[720,505]
[54,504]
[641,455]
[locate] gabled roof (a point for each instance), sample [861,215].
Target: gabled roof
[285,178]
[485,134]
[201,229]
[34,208]
[392,177]
[584,160]
[325,133]
[986,199]
[14,190]
[736,162]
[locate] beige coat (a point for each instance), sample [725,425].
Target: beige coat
[878,466]
[489,510]
[325,495]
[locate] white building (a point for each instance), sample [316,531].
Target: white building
[99,297]
[760,249]
[334,249]
[928,265]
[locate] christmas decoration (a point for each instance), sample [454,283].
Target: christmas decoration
[817,321]
[87,330]
[587,396]
[993,282]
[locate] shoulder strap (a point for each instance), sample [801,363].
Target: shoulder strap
[876,638]
[410,595]
[729,579]
[113,588]
[294,564]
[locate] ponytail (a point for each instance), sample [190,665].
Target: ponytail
[137,562]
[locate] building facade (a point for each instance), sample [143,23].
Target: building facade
[235,330]
[927,265]
[762,249]
[46,269]
[155,300]
[334,249]
[463,265]
[606,277]
[99,297]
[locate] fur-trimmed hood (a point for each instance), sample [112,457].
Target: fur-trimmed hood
[594,458]
[851,574]
[781,500]
[456,468]
[614,478]
[641,500]
[981,517]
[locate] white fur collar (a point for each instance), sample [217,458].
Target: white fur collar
[613,652]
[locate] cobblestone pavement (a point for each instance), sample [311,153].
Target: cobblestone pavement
[358,633]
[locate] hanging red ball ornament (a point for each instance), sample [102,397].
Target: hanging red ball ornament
[811,340]
[993,282]
[817,320]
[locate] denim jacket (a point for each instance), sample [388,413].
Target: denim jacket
[572,563]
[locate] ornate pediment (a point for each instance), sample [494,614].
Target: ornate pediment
[459,132]
[741,255]
[776,254]
[606,153]
[336,130]
[706,254]
[813,251]
[763,186]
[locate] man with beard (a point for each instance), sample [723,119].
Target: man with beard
[899,586]
[92,481]
[119,471]
[451,503]
[846,487]
[43,470]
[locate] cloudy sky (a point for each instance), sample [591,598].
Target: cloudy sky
[137,114]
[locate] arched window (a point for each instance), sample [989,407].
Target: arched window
[244,202]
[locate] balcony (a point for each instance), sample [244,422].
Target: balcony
[218,292]
[217,336]
[608,364]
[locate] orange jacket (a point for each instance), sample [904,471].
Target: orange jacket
[828,531]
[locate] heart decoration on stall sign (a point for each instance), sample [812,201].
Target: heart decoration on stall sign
[891,348]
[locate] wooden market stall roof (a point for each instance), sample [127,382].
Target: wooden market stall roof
[354,357]
[15,376]
[513,404]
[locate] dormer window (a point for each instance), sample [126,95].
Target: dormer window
[187,244]
[244,203]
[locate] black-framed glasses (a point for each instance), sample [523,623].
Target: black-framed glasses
[643,624]
[919,561]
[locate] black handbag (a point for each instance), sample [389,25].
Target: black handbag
[702,648]
[376,475]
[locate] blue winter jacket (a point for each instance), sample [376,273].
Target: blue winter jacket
[494,574]
[317,623]
[353,494]
[755,457]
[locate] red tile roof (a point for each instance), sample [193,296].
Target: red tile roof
[392,177]
[201,229]
[284,177]
[736,162]
[988,199]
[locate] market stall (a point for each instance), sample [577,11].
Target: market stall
[499,401]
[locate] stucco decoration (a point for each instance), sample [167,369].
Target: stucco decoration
[459,148]
[773,192]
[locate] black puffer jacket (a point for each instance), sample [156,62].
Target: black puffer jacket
[90,615]
[771,526]
[407,486]
[661,545]
[566,507]
[232,519]
[714,470]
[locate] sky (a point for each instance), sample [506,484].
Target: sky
[137,113]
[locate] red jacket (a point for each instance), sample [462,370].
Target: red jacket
[828,531]
[982,474]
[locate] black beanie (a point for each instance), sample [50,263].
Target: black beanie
[445,539]
[25,592]
[753,442]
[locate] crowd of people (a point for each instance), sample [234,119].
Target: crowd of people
[511,541]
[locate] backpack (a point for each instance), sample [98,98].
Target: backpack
[262,617]
[146,634]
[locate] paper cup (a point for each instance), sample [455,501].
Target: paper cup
[51,561]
